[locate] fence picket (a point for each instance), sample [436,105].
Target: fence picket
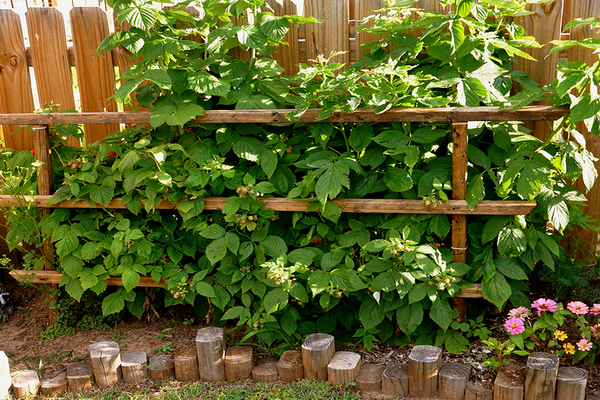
[583,241]
[95,74]
[287,56]
[15,83]
[333,34]
[362,9]
[48,41]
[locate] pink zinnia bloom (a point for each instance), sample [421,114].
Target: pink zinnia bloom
[521,313]
[584,345]
[577,307]
[514,326]
[595,310]
[544,305]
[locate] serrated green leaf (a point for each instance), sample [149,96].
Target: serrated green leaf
[112,304]
[318,281]
[233,242]
[213,231]
[511,241]
[102,194]
[492,228]
[441,312]
[409,317]
[268,162]
[130,279]
[216,250]
[510,268]
[370,313]
[496,290]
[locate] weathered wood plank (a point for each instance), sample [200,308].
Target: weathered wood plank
[378,206]
[582,243]
[54,277]
[48,41]
[15,83]
[446,114]
[460,141]
[333,34]
[288,56]
[95,74]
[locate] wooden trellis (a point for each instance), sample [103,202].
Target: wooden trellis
[457,207]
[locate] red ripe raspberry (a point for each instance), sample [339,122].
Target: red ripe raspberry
[151,342]
[315,240]
[166,190]
[438,246]
[33,152]
[111,153]
[244,190]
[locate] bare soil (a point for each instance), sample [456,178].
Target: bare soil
[20,340]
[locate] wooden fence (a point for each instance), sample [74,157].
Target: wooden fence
[38,39]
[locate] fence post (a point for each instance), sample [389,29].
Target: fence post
[333,34]
[460,141]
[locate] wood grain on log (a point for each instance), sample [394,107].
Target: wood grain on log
[424,363]
[266,372]
[540,380]
[508,387]
[186,364]
[134,367]
[5,380]
[26,383]
[317,350]
[571,383]
[394,381]
[238,363]
[478,392]
[343,367]
[106,363]
[80,376]
[161,367]
[290,366]
[369,377]
[452,381]
[55,385]
[210,345]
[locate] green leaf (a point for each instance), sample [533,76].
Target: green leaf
[475,191]
[377,245]
[251,36]
[512,241]
[478,157]
[204,289]
[88,278]
[213,231]
[360,137]
[234,312]
[130,279]
[409,317]
[71,265]
[274,246]
[216,250]
[453,345]
[417,293]
[136,307]
[470,92]
[298,292]
[142,17]
[204,82]
[378,265]
[558,213]
[329,185]
[332,211]
[492,228]
[288,323]
[496,290]
[73,287]
[318,281]
[233,242]
[398,180]
[441,312]
[247,148]
[510,268]
[102,194]
[276,300]
[464,8]
[268,162]
[440,225]
[549,243]
[66,245]
[112,304]
[370,313]
[584,107]
[158,76]
[346,279]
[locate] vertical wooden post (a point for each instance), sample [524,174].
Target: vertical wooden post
[333,34]
[540,381]
[41,146]
[362,9]
[460,141]
[288,56]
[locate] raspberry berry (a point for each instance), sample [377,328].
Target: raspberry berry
[315,240]
[33,152]
[151,342]
[437,245]
[244,190]
[111,153]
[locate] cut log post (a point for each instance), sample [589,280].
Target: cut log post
[571,383]
[343,367]
[55,385]
[424,363]
[5,381]
[478,392]
[540,380]
[507,387]
[210,345]
[290,366]
[266,372]
[369,377]
[238,363]
[452,381]
[26,383]
[161,367]
[80,376]
[394,381]
[186,364]
[317,350]
[134,366]
[592,396]
[106,362]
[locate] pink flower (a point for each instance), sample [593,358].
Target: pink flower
[521,313]
[584,345]
[514,326]
[544,305]
[595,310]
[577,307]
